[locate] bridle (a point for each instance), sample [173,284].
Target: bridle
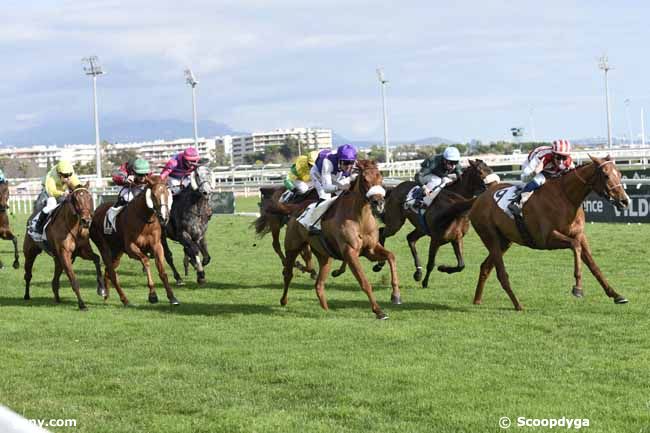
[364,190]
[76,211]
[599,175]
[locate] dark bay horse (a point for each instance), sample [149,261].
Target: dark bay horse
[274,215]
[555,220]
[5,231]
[67,237]
[138,231]
[471,182]
[349,230]
[188,222]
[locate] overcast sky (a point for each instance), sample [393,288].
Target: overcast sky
[457,69]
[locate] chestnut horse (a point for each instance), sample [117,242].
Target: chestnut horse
[349,230]
[453,229]
[5,231]
[67,237]
[274,215]
[138,231]
[555,220]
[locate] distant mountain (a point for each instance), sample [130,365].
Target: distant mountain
[113,130]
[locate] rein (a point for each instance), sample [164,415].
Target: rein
[597,175]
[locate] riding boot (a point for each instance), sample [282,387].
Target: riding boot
[40,223]
[515,206]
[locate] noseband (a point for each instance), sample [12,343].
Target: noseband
[598,175]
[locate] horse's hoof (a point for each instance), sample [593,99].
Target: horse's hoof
[180,283]
[425,284]
[2,266]
[127,304]
[417,275]
[16,264]
[101,291]
[382,316]
[82,307]
[27,297]
[620,300]
[336,273]
[577,292]
[378,267]
[200,281]
[174,301]
[519,307]
[397,300]
[153,299]
[477,302]
[283,302]
[313,275]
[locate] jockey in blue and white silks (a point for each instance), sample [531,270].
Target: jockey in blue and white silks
[332,171]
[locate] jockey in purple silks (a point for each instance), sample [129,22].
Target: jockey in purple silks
[331,173]
[178,169]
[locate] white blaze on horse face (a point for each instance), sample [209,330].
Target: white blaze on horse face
[492,177]
[147,196]
[376,190]
[163,205]
[170,198]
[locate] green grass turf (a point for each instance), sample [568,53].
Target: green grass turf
[231,359]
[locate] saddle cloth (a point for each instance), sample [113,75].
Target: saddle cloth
[413,195]
[311,216]
[503,198]
[31,228]
[109,219]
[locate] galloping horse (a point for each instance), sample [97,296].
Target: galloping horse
[5,231]
[554,219]
[138,231]
[274,215]
[471,182]
[67,237]
[188,222]
[349,230]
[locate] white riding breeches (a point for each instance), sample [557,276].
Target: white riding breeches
[175,185]
[433,188]
[49,205]
[301,187]
[129,193]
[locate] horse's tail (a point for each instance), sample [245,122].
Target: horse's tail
[262,226]
[454,211]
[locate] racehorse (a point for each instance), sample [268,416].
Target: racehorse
[66,238]
[188,222]
[553,218]
[274,215]
[5,231]
[472,181]
[349,230]
[138,231]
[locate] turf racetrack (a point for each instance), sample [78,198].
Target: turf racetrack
[231,359]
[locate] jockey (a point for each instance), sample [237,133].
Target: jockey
[542,163]
[57,184]
[332,171]
[298,181]
[131,177]
[435,173]
[178,169]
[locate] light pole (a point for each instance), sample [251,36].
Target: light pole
[382,84]
[642,128]
[604,65]
[189,78]
[627,117]
[94,69]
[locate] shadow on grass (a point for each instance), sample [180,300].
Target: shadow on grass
[194,309]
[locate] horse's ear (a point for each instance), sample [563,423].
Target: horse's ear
[608,157]
[472,163]
[594,159]
[149,181]
[87,185]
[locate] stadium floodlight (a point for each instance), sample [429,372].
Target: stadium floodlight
[382,84]
[93,69]
[192,82]
[603,64]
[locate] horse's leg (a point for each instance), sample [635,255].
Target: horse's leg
[86,252]
[287,272]
[484,273]
[56,279]
[14,240]
[275,233]
[412,238]
[169,257]
[134,250]
[159,254]
[502,275]
[111,263]
[352,257]
[192,250]
[560,240]
[31,251]
[393,224]
[203,246]
[492,240]
[341,269]
[306,255]
[458,251]
[66,261]
[434,245]
[324,263]
[381,253]
[186,264]
[595,270]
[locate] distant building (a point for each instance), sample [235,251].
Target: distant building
[310,139]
